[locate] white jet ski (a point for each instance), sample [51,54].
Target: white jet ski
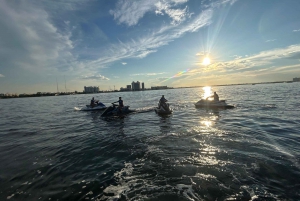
[99,106]
[203,103]
[163,109]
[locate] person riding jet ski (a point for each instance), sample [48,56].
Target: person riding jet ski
[162,103]
[216,103]
[93,102]
[215,96]
[121,105]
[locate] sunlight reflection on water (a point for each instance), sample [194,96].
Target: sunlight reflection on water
[207,92]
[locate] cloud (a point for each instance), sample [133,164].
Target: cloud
[30,40]
[249,73]
[164,80]
[95,77]
[161,79]
[156,81]
[147,74]
[2,75]
[296,30]
[261,59]
[261,64]
[271,40]
[143,46]
[130,12]
[202,53]
[123,63]
[35,39]
[177,15]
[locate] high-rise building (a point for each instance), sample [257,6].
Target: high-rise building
[136,86]
[91,89]
[143,86]
[128,87]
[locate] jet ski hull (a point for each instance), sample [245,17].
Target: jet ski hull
[114,111]
[99,106]
[213,104]
[163,110]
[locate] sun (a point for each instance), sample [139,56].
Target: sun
[206,61]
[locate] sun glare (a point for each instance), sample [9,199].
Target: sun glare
[206,61]
[207,91]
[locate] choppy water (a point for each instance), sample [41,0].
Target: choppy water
[49,151]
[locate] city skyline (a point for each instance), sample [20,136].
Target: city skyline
[178,43]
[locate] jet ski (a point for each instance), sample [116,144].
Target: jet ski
[163,109]
[203,103]
[113,110]
[98,106]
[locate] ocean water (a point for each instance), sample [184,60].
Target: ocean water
[49,151]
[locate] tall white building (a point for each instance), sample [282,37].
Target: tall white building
[91,89]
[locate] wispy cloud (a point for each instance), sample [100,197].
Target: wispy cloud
[123,63]
[296,30]
[271,40]
[260,59]
[200,54]
[143,46]
[248,73]
[177,15]
[2,75]
[155,81]
[263,63]
[140,48]
[147,74]
[95,77]
[130,12]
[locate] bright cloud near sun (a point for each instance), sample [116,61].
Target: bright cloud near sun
[245,67]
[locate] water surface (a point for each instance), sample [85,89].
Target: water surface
[49,151]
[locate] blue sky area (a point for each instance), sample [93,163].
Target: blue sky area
[110,43]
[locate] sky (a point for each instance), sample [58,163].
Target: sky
[178,43]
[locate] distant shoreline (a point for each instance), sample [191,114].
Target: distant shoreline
[114,91]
